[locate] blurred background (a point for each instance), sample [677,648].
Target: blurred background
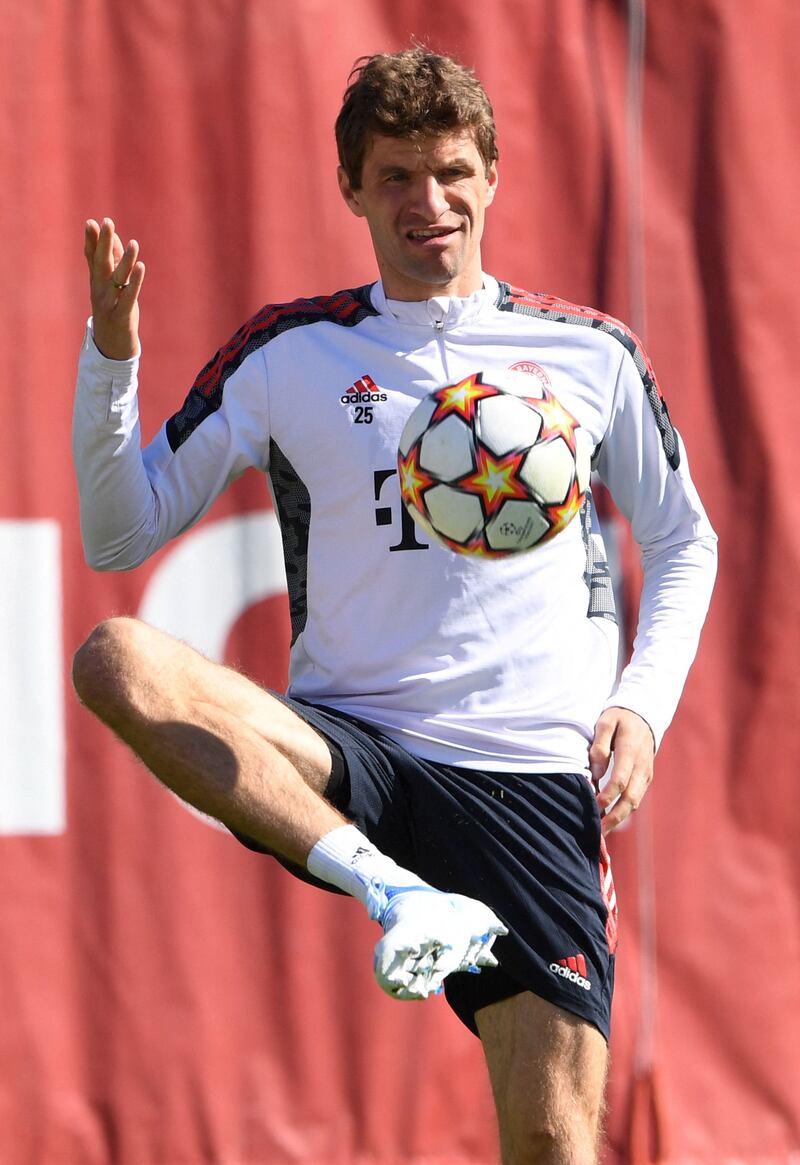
[169,998]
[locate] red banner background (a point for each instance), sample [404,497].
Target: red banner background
[169,998]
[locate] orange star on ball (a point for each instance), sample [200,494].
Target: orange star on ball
[462,397]
[495,479]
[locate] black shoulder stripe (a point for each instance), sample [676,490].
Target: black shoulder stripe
[561,311]
[346,308]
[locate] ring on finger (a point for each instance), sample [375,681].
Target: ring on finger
[119,286]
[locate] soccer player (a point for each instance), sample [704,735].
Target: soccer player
[447,719]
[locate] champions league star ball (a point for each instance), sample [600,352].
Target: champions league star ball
[489,471]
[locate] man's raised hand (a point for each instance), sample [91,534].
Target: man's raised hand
[115,279]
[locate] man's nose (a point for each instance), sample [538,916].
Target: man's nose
[429,197]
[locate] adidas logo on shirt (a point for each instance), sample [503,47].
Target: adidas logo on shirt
[574,969]
[363,391]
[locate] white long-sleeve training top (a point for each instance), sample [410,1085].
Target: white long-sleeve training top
[496,664]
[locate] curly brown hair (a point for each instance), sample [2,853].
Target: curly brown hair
[411,94]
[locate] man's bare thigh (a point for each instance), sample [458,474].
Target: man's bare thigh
[167,679]
[548,1071]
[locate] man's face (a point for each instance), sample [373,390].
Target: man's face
[424,202]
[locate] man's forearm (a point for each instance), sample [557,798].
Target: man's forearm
[678,581]
[117,504]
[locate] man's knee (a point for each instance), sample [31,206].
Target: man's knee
[555,1139]
[561,1127]
[105,666]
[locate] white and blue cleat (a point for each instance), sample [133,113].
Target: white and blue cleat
[427,936]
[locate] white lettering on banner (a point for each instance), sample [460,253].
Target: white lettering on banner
[32,752]
[210,578]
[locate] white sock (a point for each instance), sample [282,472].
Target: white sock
[347,859]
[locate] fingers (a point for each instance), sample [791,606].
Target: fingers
[116,275]
[129,282]
[622,796]
[600,750]
[627,737]
[128,272]
[90,238]
[109,261]
[102,247]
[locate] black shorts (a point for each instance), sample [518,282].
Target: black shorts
[528,845]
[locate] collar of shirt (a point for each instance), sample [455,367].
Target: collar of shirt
[443,311]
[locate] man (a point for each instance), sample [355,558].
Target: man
[445,715]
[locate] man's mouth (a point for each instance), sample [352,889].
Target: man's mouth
[430,233]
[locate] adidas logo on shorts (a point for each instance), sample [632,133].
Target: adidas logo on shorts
[574,969]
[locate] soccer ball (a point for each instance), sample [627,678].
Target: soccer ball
[489,471]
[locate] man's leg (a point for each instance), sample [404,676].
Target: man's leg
[217,740]
[239,754]
[548,1071]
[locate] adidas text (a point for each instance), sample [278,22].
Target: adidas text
[354,398]
[364,392]
[573,976]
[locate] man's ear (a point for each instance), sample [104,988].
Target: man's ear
[348,193]
[492,180]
